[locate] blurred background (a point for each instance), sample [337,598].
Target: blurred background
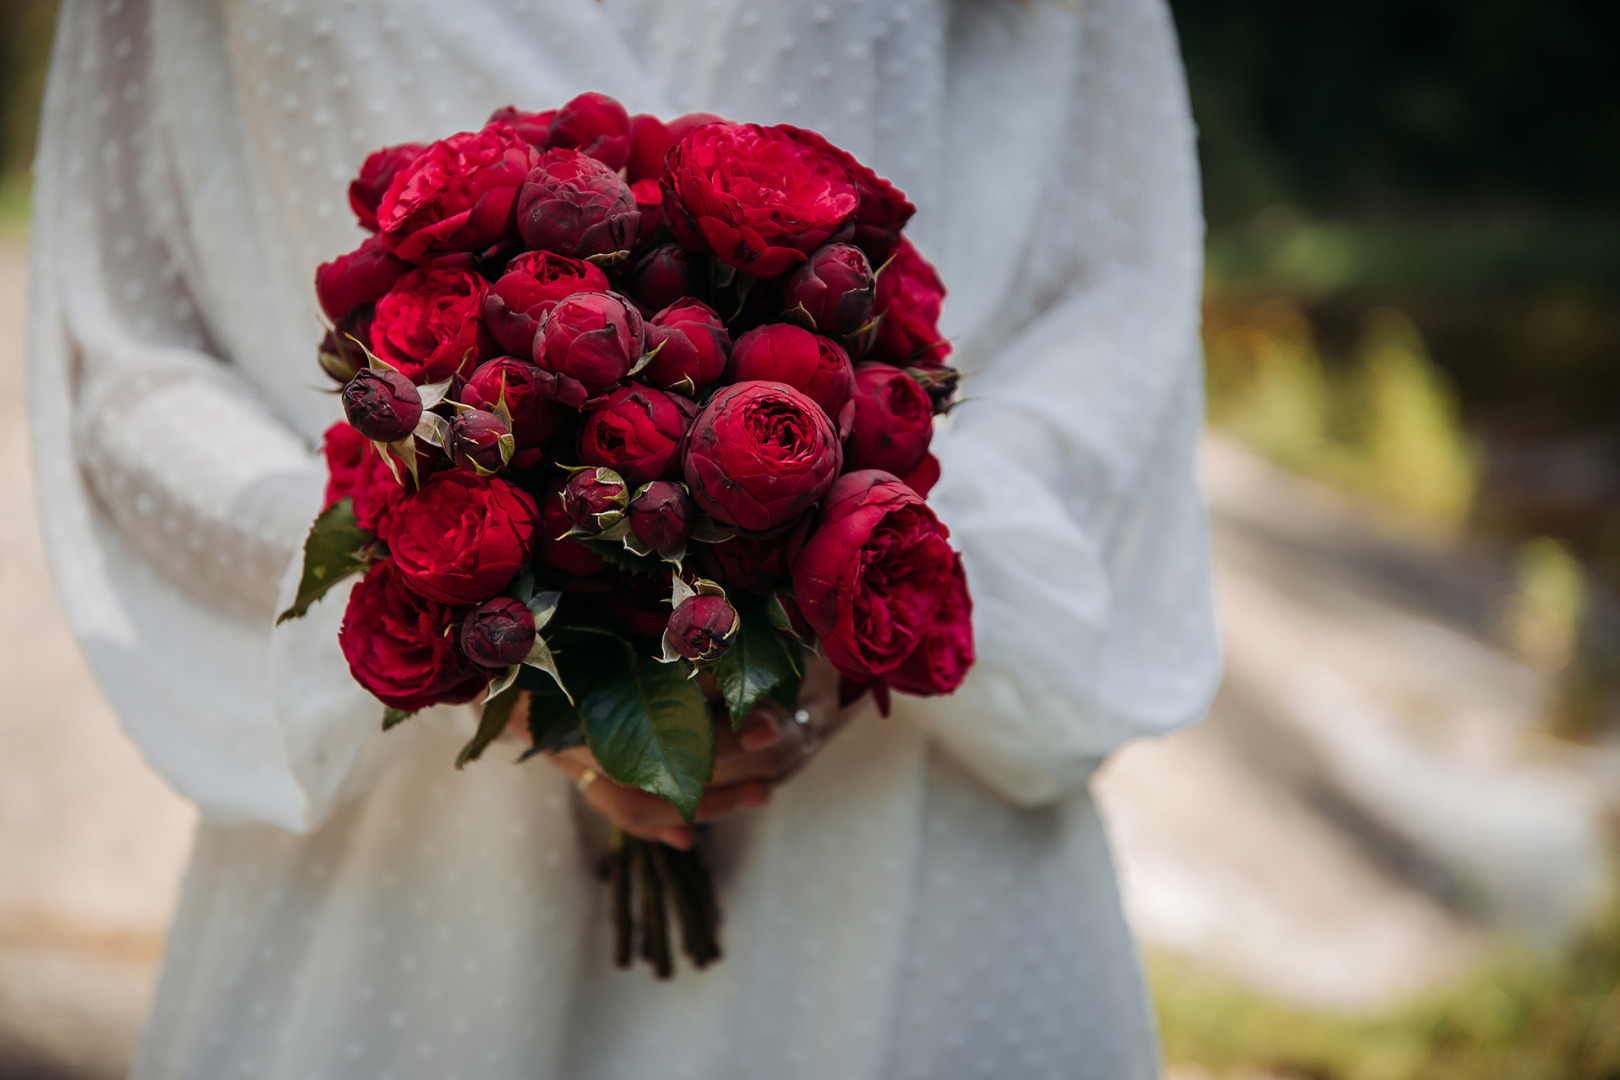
[1389,852]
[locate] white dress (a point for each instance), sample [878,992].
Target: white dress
[933,896]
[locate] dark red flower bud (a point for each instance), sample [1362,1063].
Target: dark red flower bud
[650,140]
[703,627]
[586,346]
[536,419]
[637,433]
[475,440]
[815,365]
[691,346]
[532,284]
[894,421]
[497,633]
[575,205]
[650,205]
[593,124]
[594,499]
[381,405]
[835,288]
[363,276]
[534,127]
[569,556]
[667,274]
[663,515]
[367,189]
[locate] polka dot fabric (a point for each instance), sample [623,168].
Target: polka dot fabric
[932,896]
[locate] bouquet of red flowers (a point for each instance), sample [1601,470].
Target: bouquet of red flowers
[630,403]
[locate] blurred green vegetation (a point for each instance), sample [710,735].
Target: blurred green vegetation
[26,27]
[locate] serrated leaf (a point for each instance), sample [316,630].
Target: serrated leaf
[498,705]
[648,727]
[757,662]
[332,551]
[393,716]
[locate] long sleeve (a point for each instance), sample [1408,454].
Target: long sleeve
[1069,472]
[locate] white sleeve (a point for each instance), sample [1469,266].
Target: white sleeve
[173,500]
[1068,477]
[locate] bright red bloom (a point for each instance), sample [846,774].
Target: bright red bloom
[596,125]
[378,171]
[667,275]
[574,205]
[358,471]
[457,200]
[461,538]
[941,660]
[909,296]
[536,419]
[428,326]
[650,140]
[587,344]
[835,288]
[760,454]
[637,433]
[360,277]
[894,421]
[534,127]
[692,345]
[533,282]
[815,365]
[884,208]
[400,647]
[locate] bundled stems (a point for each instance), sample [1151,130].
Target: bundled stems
[644,879]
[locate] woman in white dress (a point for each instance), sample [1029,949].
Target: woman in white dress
[931,895]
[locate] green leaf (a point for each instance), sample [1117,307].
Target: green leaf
[649,728]
[393,716]
[333,550]
[757,662]
[553,719]
[614,551]
[498,705]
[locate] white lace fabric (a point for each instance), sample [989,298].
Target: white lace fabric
[357,907]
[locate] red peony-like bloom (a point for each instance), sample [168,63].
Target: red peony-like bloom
[361,277]
[649,198]
[835,288]
[574,205]
[909,296]
[760,454]
[759,566]
[941,661]
[668,274]
[760,198]
[894,421]
[595,125]
[428,325]
[356,470]
[884,208]
[535,127]
[662,515]
[533,282]
[873,575]
[569,556]
[587,344]
[814,365]
[461,538]
[650,140]
[401,647]
[457,200]
[536,419]
[692,345]
[637,433]
[378,171]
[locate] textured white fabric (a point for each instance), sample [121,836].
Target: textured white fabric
[358,908]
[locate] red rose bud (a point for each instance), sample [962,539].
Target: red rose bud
[939,383]
[461,538]
[810,363]
[535,418]
[575,205]
[428,325]
[759,455]
[475,440]
[455,201]
[894,421]
[668,274]
[637,433]
[376,174]
[884,209]
[361,277]
[587,344]
[682,126]
[534,127]
[567,555]
[689,345]
[759,198]
[909,296]
[532,284]
[873,575]
[835,288]
[941,660]
[663,515]
[399,647]
[650,205]
[497,633]
[596,125]
[650,140]
[382,405]
[703,627]
[594,499]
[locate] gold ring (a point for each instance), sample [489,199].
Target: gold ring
[585,779]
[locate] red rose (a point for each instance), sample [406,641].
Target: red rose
[569,556]
[587,344]
[428,324]
[593,124]
[759,455]
[536,419]
[873,575]
[668,274]
[456,200]
[358,278]
[884,209]
[649,198]
[759,198]
[533,282]
[650,140]
[474,441]
[682,126]
[894,421]
[399,645]
[534,127]
[909,296]
[359,472]
[810,363]
[941,660]
[751,565]
[835,288]
[662,515]
[461,538]
[367,189]
[574,205]
[703,627]
[923,478]
[637,433]
[692,346]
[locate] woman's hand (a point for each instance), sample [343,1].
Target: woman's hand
[771,745]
